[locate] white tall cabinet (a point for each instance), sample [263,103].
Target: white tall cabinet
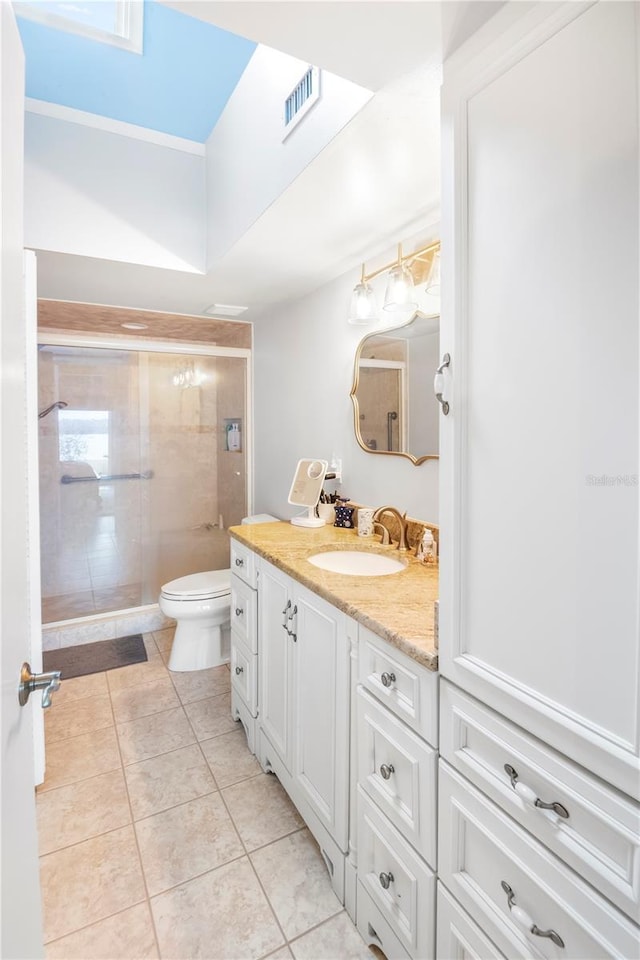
[539,569]
[539,573]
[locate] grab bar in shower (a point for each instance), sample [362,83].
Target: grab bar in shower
[107,478]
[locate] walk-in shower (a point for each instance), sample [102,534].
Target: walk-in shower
[138,477]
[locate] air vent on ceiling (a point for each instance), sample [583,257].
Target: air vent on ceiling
[224,310]
[304,95]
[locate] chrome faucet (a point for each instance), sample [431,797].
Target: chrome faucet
[402,523]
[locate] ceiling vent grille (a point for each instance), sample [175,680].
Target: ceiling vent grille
[304,95]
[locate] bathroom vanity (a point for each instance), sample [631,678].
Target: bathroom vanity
[335,680]
[445,826]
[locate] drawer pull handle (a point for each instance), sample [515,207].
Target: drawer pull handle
[522,918]
[284,614]
[529,796]
[294,613]
[239,670]
[386,879]
[239,611]
[239,562]
[388,679]
[386,770]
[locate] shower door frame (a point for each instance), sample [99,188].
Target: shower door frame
[140,345]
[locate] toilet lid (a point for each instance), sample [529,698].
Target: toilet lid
[199,586]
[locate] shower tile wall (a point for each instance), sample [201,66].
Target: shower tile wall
[109,546]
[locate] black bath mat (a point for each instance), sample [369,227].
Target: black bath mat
[88,658]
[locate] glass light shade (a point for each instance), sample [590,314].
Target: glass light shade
[433,283]
[364,308]
[400,293]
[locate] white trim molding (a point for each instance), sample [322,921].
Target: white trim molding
[128,27]
[58,111]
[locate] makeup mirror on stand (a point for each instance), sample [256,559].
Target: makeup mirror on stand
[305,491]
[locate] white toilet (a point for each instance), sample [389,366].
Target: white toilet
[200,604]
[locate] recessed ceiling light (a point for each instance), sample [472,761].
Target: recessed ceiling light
[135,326]
[224,310]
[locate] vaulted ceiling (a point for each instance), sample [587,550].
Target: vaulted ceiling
[376,183]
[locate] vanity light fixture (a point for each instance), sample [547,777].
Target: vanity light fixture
[433,283]
[364,308]
[400,294]
[404,273]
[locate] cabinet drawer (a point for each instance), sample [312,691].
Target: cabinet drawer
[404,686]
[397,880]
[374,928]
[481,849]
[398,771]
[600,838]
[458,937]
[243,614]
[243,563]
[244,673]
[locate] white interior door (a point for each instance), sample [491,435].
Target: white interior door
[21,910]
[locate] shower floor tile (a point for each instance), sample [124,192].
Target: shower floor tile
[105,595]
[68,606]
[173,797]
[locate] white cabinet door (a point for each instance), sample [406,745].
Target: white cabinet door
[321,712]
[539,472]
[275,646]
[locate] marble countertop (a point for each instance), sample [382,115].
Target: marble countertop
[399,608]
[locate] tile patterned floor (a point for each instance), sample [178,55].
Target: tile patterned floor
[160,837]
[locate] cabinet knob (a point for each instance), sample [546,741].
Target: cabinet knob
[523,919]
[386,770]
[239,562]
[239,670]
[239,611]
[385,879]
[388,679]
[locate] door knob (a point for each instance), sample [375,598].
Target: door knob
[47,682]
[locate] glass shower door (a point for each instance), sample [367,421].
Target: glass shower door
[142,468]
[199,486]
[89,500]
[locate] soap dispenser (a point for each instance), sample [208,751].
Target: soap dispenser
[427,548]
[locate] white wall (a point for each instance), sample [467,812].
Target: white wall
[462,18]
[100,194]
[248,165]
[304,354]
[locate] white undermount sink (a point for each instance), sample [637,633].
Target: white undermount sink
[357,563]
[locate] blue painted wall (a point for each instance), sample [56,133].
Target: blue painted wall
[179,85]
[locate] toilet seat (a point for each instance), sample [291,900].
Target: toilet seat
[199,586]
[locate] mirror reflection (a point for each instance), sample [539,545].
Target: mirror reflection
[395,411]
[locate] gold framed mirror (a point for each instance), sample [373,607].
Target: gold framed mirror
[394,409]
